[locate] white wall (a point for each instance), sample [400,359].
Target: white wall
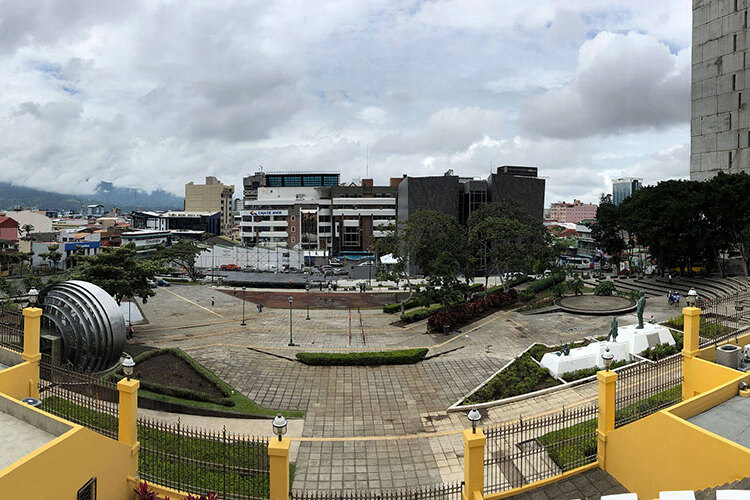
[259,257]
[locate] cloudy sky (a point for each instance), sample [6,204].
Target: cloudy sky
[153,93]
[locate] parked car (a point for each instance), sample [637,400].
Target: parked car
[367,263]
[340,272]
[230,267]
[152,283]
[162,282]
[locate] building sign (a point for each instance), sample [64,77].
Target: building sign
[263,213]
[81,244]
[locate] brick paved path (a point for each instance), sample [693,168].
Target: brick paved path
[393,404]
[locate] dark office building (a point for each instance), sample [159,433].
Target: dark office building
[460,197]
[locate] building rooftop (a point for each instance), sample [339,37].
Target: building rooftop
[730,420]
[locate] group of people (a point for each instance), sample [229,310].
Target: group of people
[673,298]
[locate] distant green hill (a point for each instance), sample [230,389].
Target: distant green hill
[106,194]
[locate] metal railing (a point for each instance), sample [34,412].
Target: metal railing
[438,492]
[724,314]
[645,388]
[11,330]
[79,397]
[203,461]
[526,451]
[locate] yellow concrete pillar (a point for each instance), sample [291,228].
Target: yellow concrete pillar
[473,464]
[606,421]
[690,348]
[278,451]
[32,319]
[127,429]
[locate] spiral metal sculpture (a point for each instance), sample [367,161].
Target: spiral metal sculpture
[88,320]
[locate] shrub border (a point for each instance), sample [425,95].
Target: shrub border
[368,358]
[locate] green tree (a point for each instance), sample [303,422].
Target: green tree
[505,238]
[390,244]
[119,272]
[607,230]
[31,281]
[182,254]
[436,244]
[27,229]
[52,255]
[576,285]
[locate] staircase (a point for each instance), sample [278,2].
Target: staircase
[710,493]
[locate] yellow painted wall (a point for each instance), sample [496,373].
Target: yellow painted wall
[700,376]
[664,452]
[58,469]
[708,399]
[14,381]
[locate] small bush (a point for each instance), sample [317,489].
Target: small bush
[422,313]
[587,372]
[604,288]
[544,283]
[396,306]
[403,357]
[463,312]
[660,351]
[559,289]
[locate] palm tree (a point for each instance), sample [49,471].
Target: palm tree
[27,228]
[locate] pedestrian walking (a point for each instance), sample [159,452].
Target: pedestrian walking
[257,307]
[670,278]
[320,285]
[213,301]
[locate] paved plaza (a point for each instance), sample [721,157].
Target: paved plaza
[410,438]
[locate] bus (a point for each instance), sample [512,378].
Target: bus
[580,262]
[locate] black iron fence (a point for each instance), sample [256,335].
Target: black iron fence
[723,315]
[526,451]
[79,397]
[645,388]
[203,461]
[11,330]
[437,492]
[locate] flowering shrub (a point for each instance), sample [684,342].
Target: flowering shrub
[462,312]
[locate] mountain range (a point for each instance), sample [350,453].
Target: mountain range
[106,194]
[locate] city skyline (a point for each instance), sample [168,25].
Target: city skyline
[154,95]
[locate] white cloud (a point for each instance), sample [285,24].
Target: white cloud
[622,83]
[374,115]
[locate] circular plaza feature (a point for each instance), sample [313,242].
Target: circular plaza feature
[595,304]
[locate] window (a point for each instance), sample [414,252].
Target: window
[294,240]
[734,81]
[734,43]
[730,121]
[739,100]
[294,227]
[292,218]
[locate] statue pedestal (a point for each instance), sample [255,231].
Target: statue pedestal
[630,341]
[581,358]
[640,340]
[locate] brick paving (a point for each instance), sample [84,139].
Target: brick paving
[395,403]
[588,485]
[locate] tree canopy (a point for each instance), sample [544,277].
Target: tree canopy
[183,254]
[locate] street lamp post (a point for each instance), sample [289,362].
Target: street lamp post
[291,340]
[243,307]
[307,296]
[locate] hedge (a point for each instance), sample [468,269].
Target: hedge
[396,306]
[402,357]
[544,283]
[587,372]
[422,313]
[463,312]
[511,284]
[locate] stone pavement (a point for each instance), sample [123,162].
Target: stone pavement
[588,485]
[400,409]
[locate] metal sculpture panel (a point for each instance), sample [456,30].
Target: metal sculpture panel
[88,320]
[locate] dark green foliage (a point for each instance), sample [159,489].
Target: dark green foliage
[396,306]
[422,313]
[544,283]
[607,230]
[520,377]
[463,312]
[510,284]
[119,272]
[588,372]
[402,357]
[182,254]
[706,329]
[604,288]
[659,351]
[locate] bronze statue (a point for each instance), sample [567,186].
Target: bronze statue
[639,307]
[613,330]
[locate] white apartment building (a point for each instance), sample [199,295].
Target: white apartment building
[331,219]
